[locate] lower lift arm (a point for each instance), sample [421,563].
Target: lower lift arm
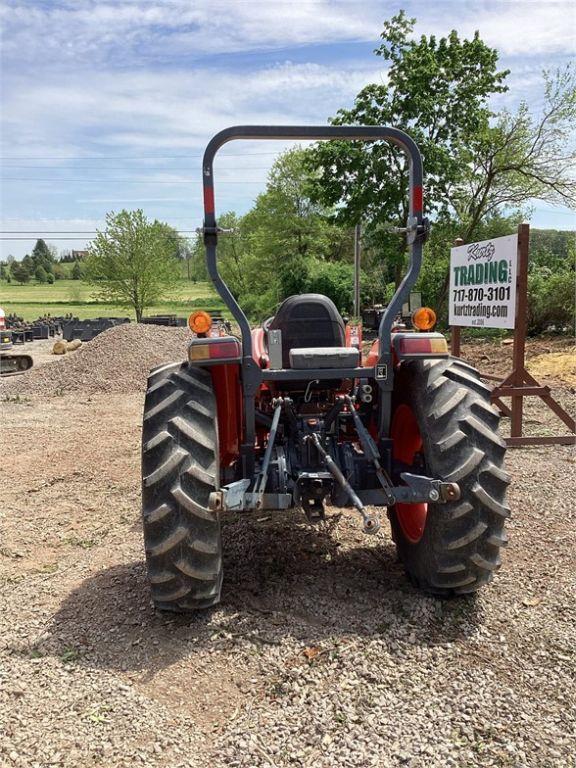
[371,521]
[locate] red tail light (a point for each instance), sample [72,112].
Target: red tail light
[223,348]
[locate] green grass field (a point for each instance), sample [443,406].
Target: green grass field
[76,297]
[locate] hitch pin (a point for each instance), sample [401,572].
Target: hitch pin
[371,521]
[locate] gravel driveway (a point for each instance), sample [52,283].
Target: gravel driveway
[321,653]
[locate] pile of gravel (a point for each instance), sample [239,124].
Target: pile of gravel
[117,360]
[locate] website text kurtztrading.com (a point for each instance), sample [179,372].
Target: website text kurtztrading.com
[480,311]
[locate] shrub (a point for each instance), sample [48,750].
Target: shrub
[294,277]
[335,280]
[20,272]
[40,274]
[551,301]
[59,272]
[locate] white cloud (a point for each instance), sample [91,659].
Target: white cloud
[94,30]
[139,77]
[525,28]
[90,32]
[177,110]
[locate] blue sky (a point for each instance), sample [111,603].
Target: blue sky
[109,105]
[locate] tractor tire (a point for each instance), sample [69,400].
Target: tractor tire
[180,469]
[442,420]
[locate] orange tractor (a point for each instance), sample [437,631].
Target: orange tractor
[292,415]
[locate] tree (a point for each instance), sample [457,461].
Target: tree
[133,261]
[518,158]
[288,220]
[42,256]
[59,272]
[521,157]
[186,254]
[232,254]
[9,262]
[335,281]
[197,260]
[40,274]
[551,301]
[437,91]
[294,276]
[20,272]
[551,275]
[76,272]
[284,228]
[50,278]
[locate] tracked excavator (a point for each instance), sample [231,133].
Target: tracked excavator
[10,363]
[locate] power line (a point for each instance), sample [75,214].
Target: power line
[195,168]
[77,238]
[52,239]
[129,181]
[42,233]
[132,157]
[30,239]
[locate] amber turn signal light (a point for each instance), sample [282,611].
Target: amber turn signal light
[424,319]
[199,321]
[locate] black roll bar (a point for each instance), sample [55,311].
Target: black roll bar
[415,232]
[350,133]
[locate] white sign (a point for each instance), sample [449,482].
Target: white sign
[483,283]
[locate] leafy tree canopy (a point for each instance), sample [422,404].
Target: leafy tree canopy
[20,272]
[76,272]
[436,90]
[40,274]
[519,157]
[133,262]
[43,256]
[284,228]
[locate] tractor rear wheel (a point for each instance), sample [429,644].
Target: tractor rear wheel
[180,469]
[444,426]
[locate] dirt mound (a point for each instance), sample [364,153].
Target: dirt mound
[555,365]
[548,358]
[117,360]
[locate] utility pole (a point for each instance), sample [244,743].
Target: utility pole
[357,251]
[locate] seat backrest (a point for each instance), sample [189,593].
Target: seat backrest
[307,320]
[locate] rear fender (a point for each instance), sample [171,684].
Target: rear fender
[415,346]
[411,346]
[208,351]
[221,356]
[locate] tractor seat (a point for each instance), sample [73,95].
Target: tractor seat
[308,322]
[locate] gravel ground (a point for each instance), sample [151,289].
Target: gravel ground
[117,360]
[321,653]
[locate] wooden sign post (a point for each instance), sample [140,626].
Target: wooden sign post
[519,383]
